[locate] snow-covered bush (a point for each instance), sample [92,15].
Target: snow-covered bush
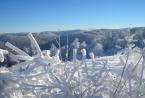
[45,76]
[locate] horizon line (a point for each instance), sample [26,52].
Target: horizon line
[87,29]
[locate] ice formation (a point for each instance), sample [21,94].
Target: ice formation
[45,76]
[2,53]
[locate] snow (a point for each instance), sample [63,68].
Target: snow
[2,53]
[43,76]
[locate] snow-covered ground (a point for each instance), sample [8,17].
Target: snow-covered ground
[72,80]
[43,76]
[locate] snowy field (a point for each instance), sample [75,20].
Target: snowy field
[43,76]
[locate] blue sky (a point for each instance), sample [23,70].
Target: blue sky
[49,15]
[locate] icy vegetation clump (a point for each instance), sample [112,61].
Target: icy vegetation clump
[45,76]
[2,55]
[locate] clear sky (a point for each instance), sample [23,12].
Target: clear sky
[48,15]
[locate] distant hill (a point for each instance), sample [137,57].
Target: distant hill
[108,38]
